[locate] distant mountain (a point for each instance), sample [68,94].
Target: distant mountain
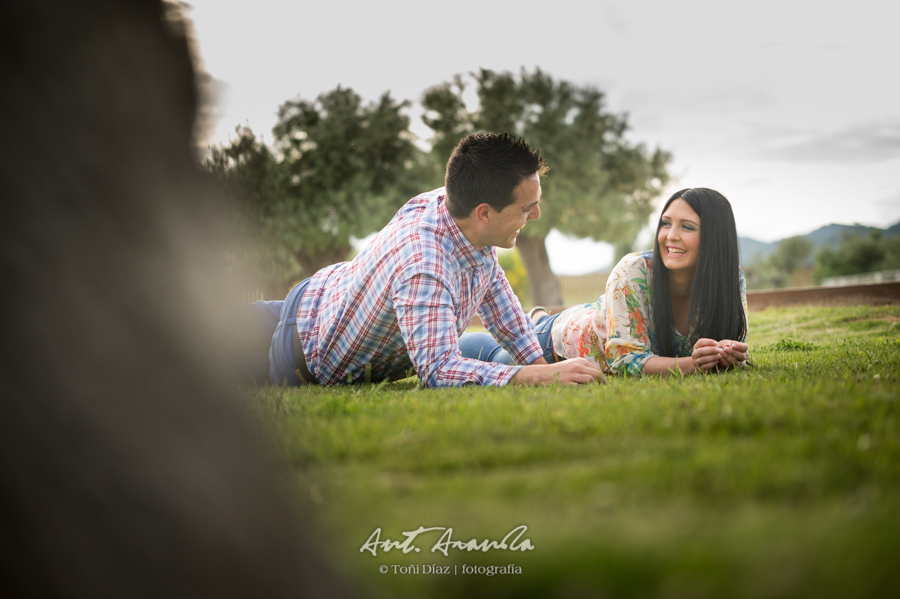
[892,230]
[829,235]
[753,250]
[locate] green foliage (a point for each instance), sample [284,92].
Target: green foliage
[600,185]
[891,253]
[512,265]
[345,168]
[338,169]
[245,169]
[858,254]
[790,344]
[791,253]
[341,161]
[743,484]
[775,271]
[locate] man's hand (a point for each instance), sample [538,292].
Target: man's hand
[577,371]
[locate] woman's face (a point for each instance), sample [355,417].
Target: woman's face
[679,236]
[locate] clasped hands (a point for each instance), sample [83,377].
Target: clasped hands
[709,354]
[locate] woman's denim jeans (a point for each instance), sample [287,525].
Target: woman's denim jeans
[482,346]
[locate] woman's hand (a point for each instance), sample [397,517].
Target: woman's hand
[707,354]
[732,353]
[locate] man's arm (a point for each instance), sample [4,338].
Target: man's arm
[502,315]
[428,325]
[427,321]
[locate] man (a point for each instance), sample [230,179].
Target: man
[402,303]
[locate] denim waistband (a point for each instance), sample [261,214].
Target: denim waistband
[282,362]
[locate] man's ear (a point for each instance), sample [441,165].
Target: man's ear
[483,212]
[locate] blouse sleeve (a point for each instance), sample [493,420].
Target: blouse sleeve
[628,345]
[744,305]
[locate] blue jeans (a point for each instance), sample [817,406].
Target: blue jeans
[482,346]
[271,324]
[282,362]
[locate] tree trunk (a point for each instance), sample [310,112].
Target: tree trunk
[541,281]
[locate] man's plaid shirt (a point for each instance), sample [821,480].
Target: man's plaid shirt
[402,303]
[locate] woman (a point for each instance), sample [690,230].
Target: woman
[696,321]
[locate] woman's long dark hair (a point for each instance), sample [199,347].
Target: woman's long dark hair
[716,311]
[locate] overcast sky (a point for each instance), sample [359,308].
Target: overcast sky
[790,109]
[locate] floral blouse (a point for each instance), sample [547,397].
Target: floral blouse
[615,331]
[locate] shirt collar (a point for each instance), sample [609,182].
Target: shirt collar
[465,252]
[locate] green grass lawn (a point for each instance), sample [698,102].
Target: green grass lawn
[780,480]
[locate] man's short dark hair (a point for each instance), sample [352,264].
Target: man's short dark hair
[485,168]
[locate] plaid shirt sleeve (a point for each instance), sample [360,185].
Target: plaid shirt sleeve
[424,309]
[503,316]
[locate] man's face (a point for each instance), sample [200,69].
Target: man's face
[504,226]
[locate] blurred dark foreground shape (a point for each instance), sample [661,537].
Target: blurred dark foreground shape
[128,466]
